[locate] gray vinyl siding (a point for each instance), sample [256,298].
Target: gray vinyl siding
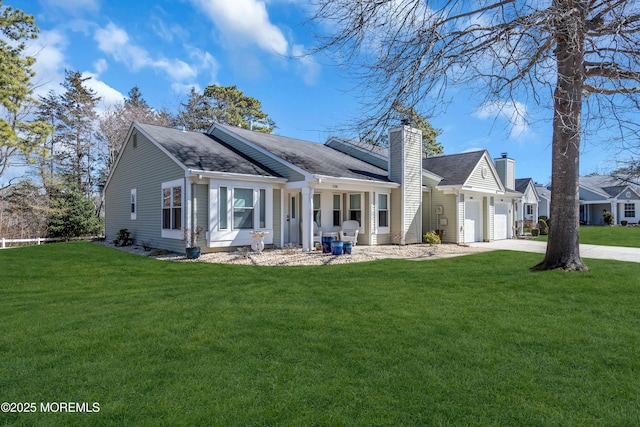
[200,198]
[589,195]
[277,217]
[358,153]
[477,181]
[395,156]
[144,168]
[259,157]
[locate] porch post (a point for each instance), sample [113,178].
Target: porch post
[306,219]
[614,210]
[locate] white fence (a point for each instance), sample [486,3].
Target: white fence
[37,241]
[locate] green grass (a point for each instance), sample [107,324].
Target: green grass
[608,236]
[475,340]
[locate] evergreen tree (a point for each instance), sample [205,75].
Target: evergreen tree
[226,105]
[114,125]
[18,137]
[72,215]
[76,130]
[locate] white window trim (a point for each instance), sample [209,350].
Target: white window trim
[340,208]
[231,187]
[173,234]
[134,201]
[387,229]
[348,211]
[624,210]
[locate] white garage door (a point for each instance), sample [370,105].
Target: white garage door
[501,221]
[472,222]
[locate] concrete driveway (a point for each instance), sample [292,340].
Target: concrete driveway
[617,253]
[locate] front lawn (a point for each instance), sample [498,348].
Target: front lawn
[474,340]
[607,236]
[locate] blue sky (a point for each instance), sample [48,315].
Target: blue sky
[167,46]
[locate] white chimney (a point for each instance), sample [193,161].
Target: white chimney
[405,168]
[506,169]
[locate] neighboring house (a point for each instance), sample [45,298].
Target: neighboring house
[232,181]
[529,203]
[544,200]
[601,193]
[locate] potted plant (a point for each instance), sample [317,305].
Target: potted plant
[190,239]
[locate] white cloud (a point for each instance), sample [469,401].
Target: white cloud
[115,41]
[100,66]
[109,96]
[513,111]
[306,65]
[245,21]
[48,49]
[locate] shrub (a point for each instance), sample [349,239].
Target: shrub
[543,226]
[432,238]
[123,238]
[72,215]
[624,222]
[608,218]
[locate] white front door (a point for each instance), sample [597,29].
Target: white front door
[472,222]
[501,222]
[293,217]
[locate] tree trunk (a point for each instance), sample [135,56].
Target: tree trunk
[563,249]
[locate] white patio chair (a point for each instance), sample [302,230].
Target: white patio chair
[349,231]
[317,233]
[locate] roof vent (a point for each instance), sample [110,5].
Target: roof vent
[504,155]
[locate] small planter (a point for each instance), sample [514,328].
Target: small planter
[624,222]
[193,253]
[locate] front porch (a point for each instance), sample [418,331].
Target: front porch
[329,205]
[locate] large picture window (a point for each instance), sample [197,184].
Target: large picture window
[172,208]
[243,208]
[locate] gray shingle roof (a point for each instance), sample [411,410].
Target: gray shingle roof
[454,168]
[198,151]
[311,157]
[521,184]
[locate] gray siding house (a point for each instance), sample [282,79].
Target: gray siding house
[231,181]
[600,193]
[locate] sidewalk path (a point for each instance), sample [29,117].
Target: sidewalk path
[617,253]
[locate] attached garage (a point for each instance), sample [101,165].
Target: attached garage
[472,221]
[501,221]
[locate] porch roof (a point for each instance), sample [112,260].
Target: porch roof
[313,158]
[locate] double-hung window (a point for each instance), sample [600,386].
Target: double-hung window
[172,203]
[316,210]
[629,210]
[337,210]
[355,208]
[383,213]
[243,208]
